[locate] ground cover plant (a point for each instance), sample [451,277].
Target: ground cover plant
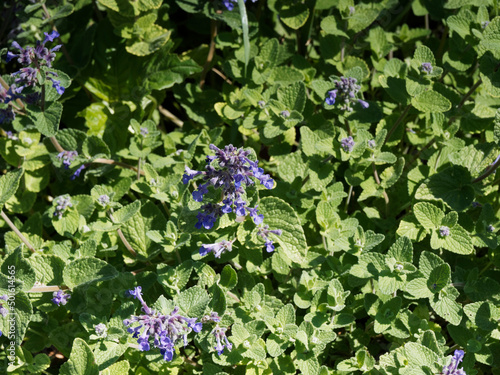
[260,187]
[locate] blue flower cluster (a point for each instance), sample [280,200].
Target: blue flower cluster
[347,144]
[264,233]
[63,202]
[67,158]
[346,90]
[452,368]
[33,58]
[217,248]
[219,332]
[229,4]
[229,170]
[444,231]
[426,68]
[166,330]
[60,298]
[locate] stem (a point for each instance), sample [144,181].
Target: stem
[469,93]
[16,231]
[246,39]
[489,171]
[56,144]
[139,169]
[398,121]
[233,296]
[43,289]
[118,163]
[348,198]
[169,115]
[122,237]
[211,52]
[377,179]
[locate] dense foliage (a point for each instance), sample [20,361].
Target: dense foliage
[261,187]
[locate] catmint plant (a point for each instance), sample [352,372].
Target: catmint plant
[427,68]
[444,231]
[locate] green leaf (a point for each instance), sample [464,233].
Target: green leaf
[8,185]
[392,174]
[447,308]
[329,25]
[193,301]
[295,15]
[228,277]
[484,315]
[88,270]
[67,224]
[402,250]
[439,278]
[431,101]
[451,186]
[16,266]
[81,360]
[280,215]
[47,122]
[125,213]
[428,215]
[459,241]
[293,96]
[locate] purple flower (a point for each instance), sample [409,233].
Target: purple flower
[330,99]
[231,171]
[347,144]
[165,331]
[427,68]
[345,92]
[144,131]
[67,157]
[221,340]
[62,203]
[101,330]
[33,59]
[371,143]
[285,113]
[264,232]
[490,228]
[363,103]
[217,248]
[444,231]
[50,37]
[103,199]
[77,172]
[452,368]
[60,298]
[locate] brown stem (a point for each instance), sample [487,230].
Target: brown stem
[211,52]
[398,121]
[119,163]
[469,93]
[16,231]
[56,144]
[43,289]
[489,171]
[377,179]
[165,112]
[122,236]
[220,74]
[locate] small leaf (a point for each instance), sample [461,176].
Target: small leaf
[9,184]
[47,122]
[431,101]
[88,270]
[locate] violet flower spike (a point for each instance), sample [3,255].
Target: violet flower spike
[452,368]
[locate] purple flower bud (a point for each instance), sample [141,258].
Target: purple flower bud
[217,248]
[60,298]
[444,231]
[363,103]
[347,144]
[77,172]
[427,68]
[285,113]
[50,37]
